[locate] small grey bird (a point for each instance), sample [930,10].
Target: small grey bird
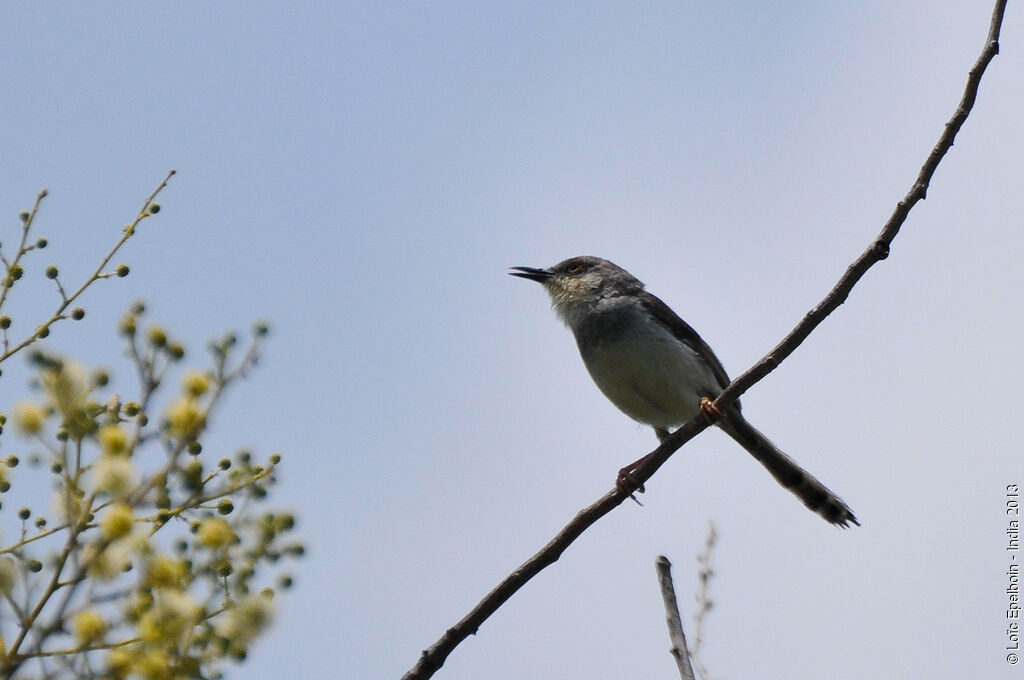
[655,368]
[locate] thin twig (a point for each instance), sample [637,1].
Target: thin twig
[704,603]
[432,658]
[67,300]
[679,650]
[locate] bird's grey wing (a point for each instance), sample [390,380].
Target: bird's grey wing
[685,333]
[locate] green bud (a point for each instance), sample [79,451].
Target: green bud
[51,272]
[127,326]
[194,476]
[77,313]
[5,322]
[156,336]
[122,270]
[41,243]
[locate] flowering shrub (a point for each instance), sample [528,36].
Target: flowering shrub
[153,560]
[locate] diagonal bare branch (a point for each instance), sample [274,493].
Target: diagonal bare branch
[434,657]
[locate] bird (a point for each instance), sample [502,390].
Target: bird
[655,368]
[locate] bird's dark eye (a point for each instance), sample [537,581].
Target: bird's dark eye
[576,269]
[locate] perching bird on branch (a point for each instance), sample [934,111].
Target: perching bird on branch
[655,368]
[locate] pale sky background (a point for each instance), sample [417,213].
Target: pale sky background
[361,175]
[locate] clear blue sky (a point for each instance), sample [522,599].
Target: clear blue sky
[361,174]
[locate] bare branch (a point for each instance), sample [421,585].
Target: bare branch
[675,624]
[434,657]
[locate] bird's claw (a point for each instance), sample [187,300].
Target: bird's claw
[626,483]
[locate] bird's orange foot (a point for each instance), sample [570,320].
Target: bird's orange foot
[709,411]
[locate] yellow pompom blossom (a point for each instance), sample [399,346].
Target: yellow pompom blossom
[118,661]
[70,505]
[113,440]
[185,417]
[67,386]
[88,627]
[174,614]
[108,563]
[29,417]
[115,475]
[215,532]
[195,383]
[248,618]
[117,521]
[153,665]
[8,575]
[165,572]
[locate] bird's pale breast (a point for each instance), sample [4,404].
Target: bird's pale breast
[652,377]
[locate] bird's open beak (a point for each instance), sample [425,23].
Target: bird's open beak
[532,273]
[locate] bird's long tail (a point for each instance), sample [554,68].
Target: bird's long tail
[813,493]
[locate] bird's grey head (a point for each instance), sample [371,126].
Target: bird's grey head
[576,284]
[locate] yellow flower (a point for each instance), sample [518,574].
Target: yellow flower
[109,563]
[117,521]
[29,417]
[113,440]
[165,572]
[215,532]
[171,617]
[117,660]
[115,475]
[195,383]
[185,417]
[88,627]
[67,385]
[8,575]
[246,619]
[153,665]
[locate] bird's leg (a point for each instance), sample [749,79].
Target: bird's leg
[709,411]
[626,483]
